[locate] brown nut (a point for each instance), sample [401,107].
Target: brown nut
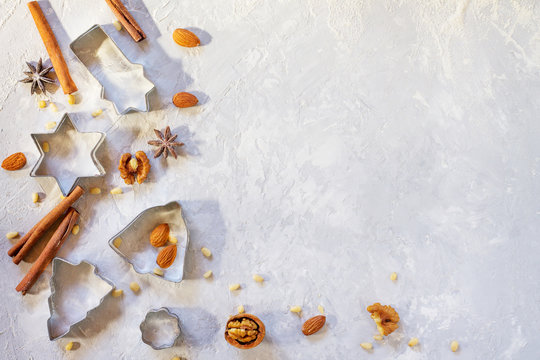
[244,331]
[386,318]
[143,166]
[160,235]
[14,162]
[185,38]
[311,326]
[166,256]
[124,168]
[184,100]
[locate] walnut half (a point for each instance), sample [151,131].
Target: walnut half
[244,331]
[385,317]
[129,167]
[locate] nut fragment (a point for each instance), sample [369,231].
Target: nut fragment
[117,25]
[244,331]
[71,99]
[117,292]
[143,166]
[97,112]
[234,287]
[35,197]
[385,317]
[184,100]
[258,278]
[117,242]
[132,165]
[12,234]
[14,162]
[311,326]
[50,125]
[69,346]
[75,229]
[206,252]
[116,191]
[53,107]
[366,346]
[42,104]
[378,337]
[393,276]
[413,342]
[207,274]
[134,286]
[166,256]
[125,174]
[95,191]
[454,346]
[45,146]
[321,309]
[172,239]
[158,272]
[241,309]
[159,235]
[185,38]
[295,309]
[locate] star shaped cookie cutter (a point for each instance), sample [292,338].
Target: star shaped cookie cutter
[71,155]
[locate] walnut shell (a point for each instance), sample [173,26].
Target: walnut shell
[160,235]
[166,256]
[244,325]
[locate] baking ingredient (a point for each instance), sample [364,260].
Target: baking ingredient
[69,346]
[366,346]
[386,318]
[95,191]
[50,125]
[49,252]
[97,112]
[23,246]
[393,276]
[244,331]
[129,23]
[143,167]
[117,242]
[35,197]
[206,252]
[165,143]
[166,256]
[117,292]
[172,239]
[42,104]
[128,169]
[413,342]
[454,346]
[234,287]
[258,278]
[14,162]
[49,40]
[207,274]
[378,337]
[53,107]
[158,272]
[38,77]
[117,25]
[321,309]
[311,326]
[160,235]
[12,235]
[184,100]
[240,309]
[116,191]
[185,38]
[71,99]
[125,173]
[134,287]
[46,147]
[133,165]
[295,309]
[76,229]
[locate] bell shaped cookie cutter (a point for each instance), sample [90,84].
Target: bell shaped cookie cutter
[76,289]
[160,328]
[133,242]
[122,82]
[70,157]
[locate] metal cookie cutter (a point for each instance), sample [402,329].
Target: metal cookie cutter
[160,328]
[123,82]
[76,289]
[71,155]
[132,243]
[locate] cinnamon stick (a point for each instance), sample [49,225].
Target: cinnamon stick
[23,246]
[57,59]
[58,238]
[129,23]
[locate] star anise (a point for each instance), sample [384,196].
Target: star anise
[165,143]
[37,76]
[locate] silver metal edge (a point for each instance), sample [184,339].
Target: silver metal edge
[96,162]
[169,313]
[146,95]
[53,291]
[133,221]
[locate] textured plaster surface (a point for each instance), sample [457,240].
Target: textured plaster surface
[336,142]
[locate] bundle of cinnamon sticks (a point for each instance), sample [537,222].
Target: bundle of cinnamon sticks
[19,250]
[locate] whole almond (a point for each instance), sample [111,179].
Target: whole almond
[166,256]
[160,235]
[185,38]
[184,100]
[14,162]
[311,326]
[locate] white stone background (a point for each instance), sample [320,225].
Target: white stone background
[336,142]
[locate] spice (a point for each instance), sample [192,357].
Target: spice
[38,77]
[165,143]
